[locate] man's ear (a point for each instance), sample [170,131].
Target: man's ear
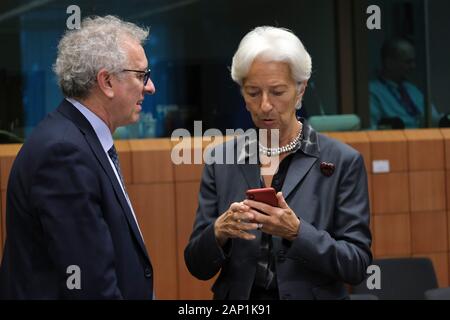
[104,81]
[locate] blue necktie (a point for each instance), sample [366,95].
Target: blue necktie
[115,159]
[407,102]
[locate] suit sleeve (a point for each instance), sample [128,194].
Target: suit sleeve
[66,195]
[203,256]
[343,253]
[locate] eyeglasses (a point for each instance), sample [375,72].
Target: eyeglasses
[145,77]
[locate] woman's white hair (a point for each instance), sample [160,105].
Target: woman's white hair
[271,44]
[96,45]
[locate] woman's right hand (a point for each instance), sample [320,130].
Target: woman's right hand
[234,223]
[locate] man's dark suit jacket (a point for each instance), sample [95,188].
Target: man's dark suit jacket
[333,245]
[65,207]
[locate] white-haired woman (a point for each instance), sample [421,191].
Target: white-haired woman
[317,238]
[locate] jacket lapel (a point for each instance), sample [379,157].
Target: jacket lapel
[298,168]
[85,127]
[303,160]
[247,160]
[251,175]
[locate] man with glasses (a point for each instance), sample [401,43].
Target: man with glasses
[72,232]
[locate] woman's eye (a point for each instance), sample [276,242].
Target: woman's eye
[252,94]
[278,93]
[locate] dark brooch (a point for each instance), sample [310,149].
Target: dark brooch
[327,168]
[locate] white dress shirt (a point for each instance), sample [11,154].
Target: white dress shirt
[106,140]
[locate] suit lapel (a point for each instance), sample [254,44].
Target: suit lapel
[299,167]
[83,124]
[303,160]
[251,175]
[247,161]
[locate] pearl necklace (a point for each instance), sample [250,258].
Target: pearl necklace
[273,152]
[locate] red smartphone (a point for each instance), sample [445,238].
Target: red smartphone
[266,195]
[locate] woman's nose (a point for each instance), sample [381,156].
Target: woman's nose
[266,105]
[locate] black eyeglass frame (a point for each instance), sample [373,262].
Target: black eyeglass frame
[146,74]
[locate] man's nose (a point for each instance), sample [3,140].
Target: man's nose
[149,88]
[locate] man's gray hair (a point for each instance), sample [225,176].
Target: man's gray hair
[96,45]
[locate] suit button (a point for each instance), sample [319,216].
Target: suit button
[148,272]
[281,255]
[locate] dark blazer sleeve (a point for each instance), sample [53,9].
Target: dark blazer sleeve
[345,254]
[203,255]
[67,197]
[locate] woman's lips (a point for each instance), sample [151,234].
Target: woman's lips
[268,121]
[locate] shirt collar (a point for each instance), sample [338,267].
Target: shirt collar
[390,83]
[99,126]
[309,145]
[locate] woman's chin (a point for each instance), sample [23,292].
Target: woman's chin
[268,124]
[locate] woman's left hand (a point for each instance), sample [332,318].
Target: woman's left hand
[278,221]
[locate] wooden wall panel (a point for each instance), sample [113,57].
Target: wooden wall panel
[440,264]
[187,172]
[448,230]
[421,145]
[392,235]
[191,167]
[427,191]
[151,161]
[446,136]
[429,232]
[8,153]
[389,145]
[447,187]
[390,193]
[6,163]
[155,210]
[186,206]
[2,225]
[3,215]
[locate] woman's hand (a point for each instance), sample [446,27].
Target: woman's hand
[278,221]
[234,223]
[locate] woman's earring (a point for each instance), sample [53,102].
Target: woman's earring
[298,106]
